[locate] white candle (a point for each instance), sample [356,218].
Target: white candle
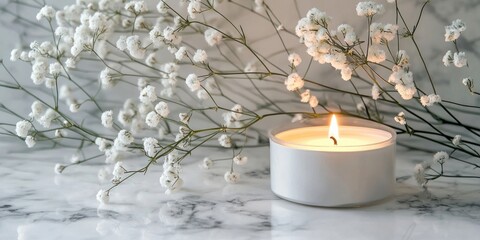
[308,167]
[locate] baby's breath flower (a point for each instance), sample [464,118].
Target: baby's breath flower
[305,96]
[30,141]
[122,42]
[106,78]
[376,54]
[22,128]
[457,140]
[102,144]
[453,31]
[400,118]
[231,177]
[162,109]
[150,146]
[237,110]
[294,59]
[37,109]
[429,100]
[151,60]
[103,196]
[213,37]
[440,157]
[368,9]
[134,46]
[46,12]
[71,63]
[459,59]
[136,7]
[200,56]
[148,94]
[74,107]
[381,33]
[47,118]
[192,82]
[15,55]
[181,53]
[294,82]
[225,141]
[107,119]
[313,101]
[419,174]
[118,170]
[240,160]
[375,92]
[75,158]
[207,163]
[194,8]
[152,119]
[59,168]
[125,137]
[346,73]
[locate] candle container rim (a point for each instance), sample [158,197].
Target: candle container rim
[324,121]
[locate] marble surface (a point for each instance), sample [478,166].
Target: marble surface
[36,203]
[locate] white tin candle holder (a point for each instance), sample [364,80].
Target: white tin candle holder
[306,167]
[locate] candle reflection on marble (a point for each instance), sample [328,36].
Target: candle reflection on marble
[345,164]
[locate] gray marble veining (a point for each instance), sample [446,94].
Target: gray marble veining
[35,203]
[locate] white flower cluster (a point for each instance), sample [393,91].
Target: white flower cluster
[213,37]
[294,59]
[233,116]
[22,128]
[103,196]
[295,83]
[402,77]
[453,31]
[107,119]
[441,157]
[150,146]
[170,178]
[459,59]
[368,9]
[194,84]
[400,118]
[113,149]
[313,32]
[225,141]
[419,172]
[118,172]
[380,33]
[232,177]
[206,163]
[348,33]
[429,100]
[194,8]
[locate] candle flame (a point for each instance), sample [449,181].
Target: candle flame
[333,131]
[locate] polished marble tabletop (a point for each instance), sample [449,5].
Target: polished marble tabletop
[36,203]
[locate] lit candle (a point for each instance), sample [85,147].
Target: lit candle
[323,138]
[337,165]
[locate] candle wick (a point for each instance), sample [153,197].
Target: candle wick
[334,140]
